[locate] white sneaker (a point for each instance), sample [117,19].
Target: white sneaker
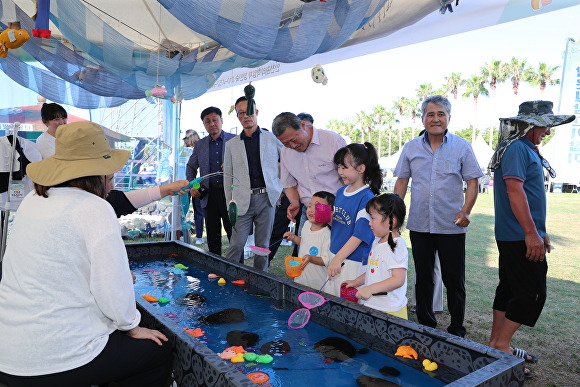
[199,241]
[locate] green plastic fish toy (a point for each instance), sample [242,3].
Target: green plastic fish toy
[233,213]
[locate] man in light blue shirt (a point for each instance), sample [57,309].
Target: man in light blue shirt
[438,162]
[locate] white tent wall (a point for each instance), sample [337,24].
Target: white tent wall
[560,153]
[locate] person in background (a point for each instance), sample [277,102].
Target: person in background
[191,137]
[439,162]
[53,115]
[307,159]
[388,260]
[314,244]
[251,167]
[67,301]
[351,237]
[520,222]
[209,158]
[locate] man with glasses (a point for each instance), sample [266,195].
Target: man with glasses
[251,168]
[520,222]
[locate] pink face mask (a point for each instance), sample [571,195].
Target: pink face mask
[322,213]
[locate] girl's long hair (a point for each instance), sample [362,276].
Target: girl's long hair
[390,206]
[363,154]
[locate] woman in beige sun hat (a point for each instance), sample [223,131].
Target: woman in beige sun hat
[67,301]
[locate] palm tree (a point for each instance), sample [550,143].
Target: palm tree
[379,113]
[402,105]
[414,111]
[424,90]
[453,82]
[390,119]
[475,88]
[441,91]
[494,72]
[542,77]
[365,122]
[516,70]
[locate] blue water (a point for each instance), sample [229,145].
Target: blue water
[302,366]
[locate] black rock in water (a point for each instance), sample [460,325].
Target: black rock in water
[390,371]
[230,315]
[335,348]
[369,381]
[273,347]
[242,338]
[190,299]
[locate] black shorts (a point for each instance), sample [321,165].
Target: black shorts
[521,292]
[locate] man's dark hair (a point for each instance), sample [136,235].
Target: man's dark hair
[243,98]
[283,121]
[305,117]
[210,110]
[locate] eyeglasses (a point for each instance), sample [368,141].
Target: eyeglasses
[546,165]
[241,113]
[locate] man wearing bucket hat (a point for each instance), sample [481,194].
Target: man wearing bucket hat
[66,298]
[520,222]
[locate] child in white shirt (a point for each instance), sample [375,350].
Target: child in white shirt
[314,243]
[387,264]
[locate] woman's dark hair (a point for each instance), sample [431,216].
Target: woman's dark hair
[363,154]
[325,195]
[390,206]
[50,111]
[92,184]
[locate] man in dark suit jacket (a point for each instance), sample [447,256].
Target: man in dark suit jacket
[208,157]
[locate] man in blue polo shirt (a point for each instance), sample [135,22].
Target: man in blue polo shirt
[520,222]
[438,162]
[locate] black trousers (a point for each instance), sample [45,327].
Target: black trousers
[281,223]
[127,361]
[451,248]
[216,213]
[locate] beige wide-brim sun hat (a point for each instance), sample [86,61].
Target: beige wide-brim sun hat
[81,150]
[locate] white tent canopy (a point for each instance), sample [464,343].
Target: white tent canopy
[483,152]
[560,153]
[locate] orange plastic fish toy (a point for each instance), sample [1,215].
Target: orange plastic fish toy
[197,332]
[407,352]
[149,297]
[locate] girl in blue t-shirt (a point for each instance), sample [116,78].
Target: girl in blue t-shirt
[351,237]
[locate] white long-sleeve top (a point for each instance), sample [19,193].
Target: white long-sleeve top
[66,283]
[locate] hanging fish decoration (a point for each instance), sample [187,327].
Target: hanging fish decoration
[233,213]
[249,92]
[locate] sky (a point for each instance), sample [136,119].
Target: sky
[363,82]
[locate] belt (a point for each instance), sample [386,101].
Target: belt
[256,191]
[216,186]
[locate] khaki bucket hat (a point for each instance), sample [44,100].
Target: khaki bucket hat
[81,150]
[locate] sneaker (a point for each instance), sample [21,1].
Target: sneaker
[199,241]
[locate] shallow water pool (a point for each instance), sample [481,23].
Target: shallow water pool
[303,365]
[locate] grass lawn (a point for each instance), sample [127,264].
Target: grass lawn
[555,339]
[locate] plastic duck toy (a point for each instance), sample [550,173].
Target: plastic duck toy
[197,332]
[221,281]
[149,297]
[162,301]
[239,358]
[430,365]
[181,266]
[212,276]
[406,352]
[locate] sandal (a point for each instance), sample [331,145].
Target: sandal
[524,355]
[528,374]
